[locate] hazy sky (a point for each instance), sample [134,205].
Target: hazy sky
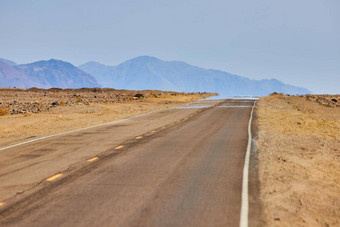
[295,41]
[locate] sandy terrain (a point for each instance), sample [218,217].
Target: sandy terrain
[299,155]
[36,112]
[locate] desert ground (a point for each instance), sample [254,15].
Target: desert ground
[298,140]
[27,113]
[299,154]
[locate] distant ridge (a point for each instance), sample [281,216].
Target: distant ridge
[147,72]
[12,77]
[45,74]
[57,73]
[8,62]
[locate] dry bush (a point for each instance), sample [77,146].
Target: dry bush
[62,102]
[151,94]
[79,99]
[3,111]
[277,94]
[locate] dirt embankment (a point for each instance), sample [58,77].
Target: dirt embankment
[299,160]
[35,112]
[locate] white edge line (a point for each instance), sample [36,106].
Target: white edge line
[80,129]
[244,198]
[191,107]
[234,106]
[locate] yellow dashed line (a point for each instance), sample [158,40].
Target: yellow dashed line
[138,137]
[54,177]
[153,131]
[185,118]
[121,146]
[1,204]
[92,159]
[163,127]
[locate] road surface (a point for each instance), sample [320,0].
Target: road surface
[178,167]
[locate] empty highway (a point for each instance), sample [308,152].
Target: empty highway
[177,167]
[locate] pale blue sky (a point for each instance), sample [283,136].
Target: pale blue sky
[295,41]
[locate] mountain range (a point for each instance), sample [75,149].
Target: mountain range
[140,73]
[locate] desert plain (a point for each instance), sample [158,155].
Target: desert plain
[299,160]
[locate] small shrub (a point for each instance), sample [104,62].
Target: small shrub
[3,111]
[151,94]
[78,98]
[62,102]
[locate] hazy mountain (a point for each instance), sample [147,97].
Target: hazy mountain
[137,74]
[151,73]
[8,62]
[12,77]
[56,73]
[103,73]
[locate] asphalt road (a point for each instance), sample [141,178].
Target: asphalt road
[181,167]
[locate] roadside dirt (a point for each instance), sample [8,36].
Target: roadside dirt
[299,156]
[35,112]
